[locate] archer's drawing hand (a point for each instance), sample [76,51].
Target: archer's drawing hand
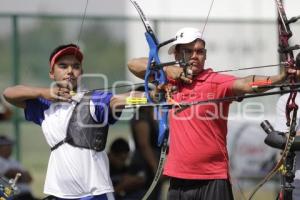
[59,92]
[177,73]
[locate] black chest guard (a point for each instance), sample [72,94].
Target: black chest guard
[83,131]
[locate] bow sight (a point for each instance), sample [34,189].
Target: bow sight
[8,188]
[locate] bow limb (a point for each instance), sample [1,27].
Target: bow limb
[286,55]
[155,74]
[159,78]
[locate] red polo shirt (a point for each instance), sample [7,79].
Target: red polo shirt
[198,134]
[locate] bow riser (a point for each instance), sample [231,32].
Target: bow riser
[157,76]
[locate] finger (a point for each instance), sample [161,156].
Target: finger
[292,71]
[189,77]
[168,89]
[66,95]
[64,90]
[160,87]
[62,98]
[55,93]
[173,89]
[189,72]
[56,96]
[70,86]
[60,95]
[186,79]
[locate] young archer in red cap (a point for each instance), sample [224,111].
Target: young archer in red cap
[75,130]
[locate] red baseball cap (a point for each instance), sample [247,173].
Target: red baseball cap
[71,50]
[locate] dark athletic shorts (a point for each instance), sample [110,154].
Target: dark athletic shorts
[183,189]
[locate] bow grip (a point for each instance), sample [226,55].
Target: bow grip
[153,59]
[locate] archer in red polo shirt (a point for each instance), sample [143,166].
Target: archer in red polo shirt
[198,134]
[197,162]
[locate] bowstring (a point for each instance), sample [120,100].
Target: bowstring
[207,17]
[249,68]
[82,22]
[78,41]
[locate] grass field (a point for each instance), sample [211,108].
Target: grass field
[35,153]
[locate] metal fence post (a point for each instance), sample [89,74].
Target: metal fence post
[16,80]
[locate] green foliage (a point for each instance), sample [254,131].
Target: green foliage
[35,47]
[103,52]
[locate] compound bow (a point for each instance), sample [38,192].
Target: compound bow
[155,72]
[287,56]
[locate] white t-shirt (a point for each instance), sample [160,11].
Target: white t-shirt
[280,125]
[72,172]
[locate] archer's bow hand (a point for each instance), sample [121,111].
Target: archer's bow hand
[290,70]
[171,101]
[177,73]
[295,72]
[167,90]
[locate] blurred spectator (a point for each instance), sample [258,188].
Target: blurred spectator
[128,183]
[5,112]
[9,167]
[144,130]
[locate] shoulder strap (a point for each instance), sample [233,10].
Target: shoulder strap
[59,144]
